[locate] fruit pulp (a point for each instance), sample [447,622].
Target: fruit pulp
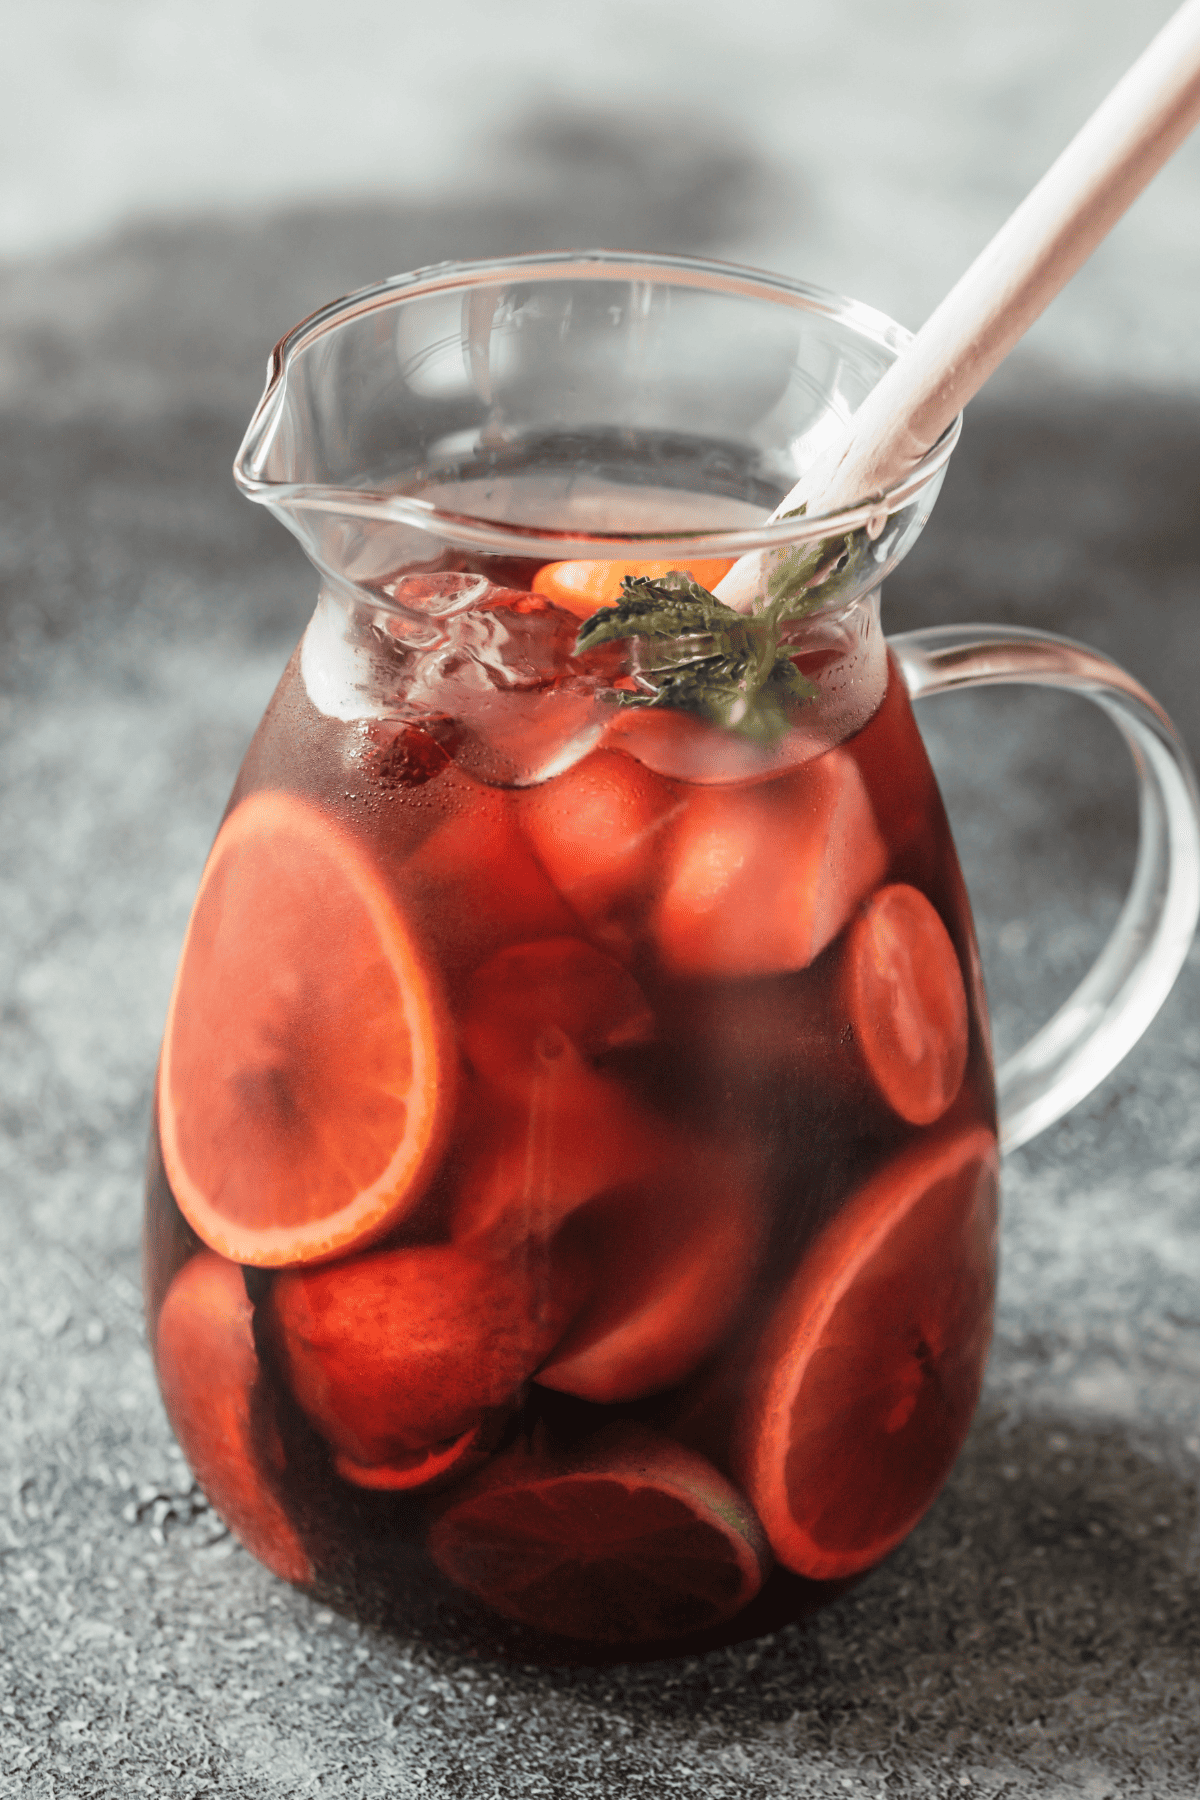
[605,1149]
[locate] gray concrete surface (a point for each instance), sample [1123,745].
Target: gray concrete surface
[1039,1634]
[900,136]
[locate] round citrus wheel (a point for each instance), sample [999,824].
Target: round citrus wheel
[584,587]
[631,1540]
[303,1080]
[402,1350]
[866,1377]
[209,1374]
[905,998]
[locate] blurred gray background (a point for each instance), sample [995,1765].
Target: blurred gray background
[179,184]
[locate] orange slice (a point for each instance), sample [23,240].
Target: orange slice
[906,1001]
[209,1376]
[403,1350]
[303,1081]
[584,587]
[866,1377]
[631,1540]
[761,878]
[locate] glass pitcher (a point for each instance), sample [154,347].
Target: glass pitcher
[572,1209]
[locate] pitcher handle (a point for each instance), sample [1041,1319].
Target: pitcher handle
[1135,971]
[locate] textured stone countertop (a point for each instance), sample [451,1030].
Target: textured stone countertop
[1039,1634]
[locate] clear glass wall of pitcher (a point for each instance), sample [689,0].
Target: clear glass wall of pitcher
[573,1188]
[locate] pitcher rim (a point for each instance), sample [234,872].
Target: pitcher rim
[469,530]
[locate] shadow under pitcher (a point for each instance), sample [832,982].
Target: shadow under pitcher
[572,1213]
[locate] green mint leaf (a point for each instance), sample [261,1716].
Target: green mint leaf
[813,575]
[788,582]
[717,690]
[786,680]
[699,656]
[674,606]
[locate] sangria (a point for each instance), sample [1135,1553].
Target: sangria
[572,1201]
[599,1157]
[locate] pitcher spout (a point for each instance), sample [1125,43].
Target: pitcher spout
[490,417]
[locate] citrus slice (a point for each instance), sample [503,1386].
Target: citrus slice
[906,1002]
[864,1382]
[303,1080]
[584,587]
[672,1258]
[209,1375]
[402,1350]
[529,997]
[601,830]
[631,1540]
[763,877]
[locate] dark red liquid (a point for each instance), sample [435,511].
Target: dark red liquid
[667,1316]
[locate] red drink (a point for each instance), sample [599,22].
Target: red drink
[574,1177]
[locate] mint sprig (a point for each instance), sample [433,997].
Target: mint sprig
[697,655]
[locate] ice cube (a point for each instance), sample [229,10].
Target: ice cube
[763,877]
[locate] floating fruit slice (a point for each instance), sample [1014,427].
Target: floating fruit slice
[530,997]
[475,885]
[210,1380]
[403,1350]
[303,1081]
[584,587]
[906,1002]
[631,1540]
[763,877]
[433,1466]
[601,829]
[545,1147]
[863,1385]
[673,1257]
